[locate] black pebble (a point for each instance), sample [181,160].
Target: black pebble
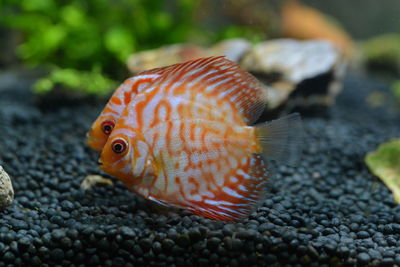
[363,257]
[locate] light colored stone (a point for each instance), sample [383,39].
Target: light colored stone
[94,179]
[284,65]
[6,189]
[163,56]
[232,49]
[314,67]
[296,60]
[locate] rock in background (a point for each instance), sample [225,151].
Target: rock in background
[6,189]
[298,74]
[233,49]
[163,56]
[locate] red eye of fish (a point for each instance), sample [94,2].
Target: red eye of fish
[119,146]
[107,127]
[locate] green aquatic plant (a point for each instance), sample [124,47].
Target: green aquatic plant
[78,35]
[85,44]
[385,164]
[91,82]
[383,52]
[234,31]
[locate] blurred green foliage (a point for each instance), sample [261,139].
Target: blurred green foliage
[93,81]
[234,31]
[396,90]
[84,41]
[383,52]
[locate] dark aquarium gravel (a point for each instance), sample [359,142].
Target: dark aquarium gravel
[329,210]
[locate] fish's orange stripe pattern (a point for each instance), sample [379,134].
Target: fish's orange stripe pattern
[195,170]
[194,121]
[218,78]
[117,103]
[116,100]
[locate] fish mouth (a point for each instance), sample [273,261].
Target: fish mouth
[102,166]
[100,162]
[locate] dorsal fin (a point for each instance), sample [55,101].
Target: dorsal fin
[159,71]
[220,79]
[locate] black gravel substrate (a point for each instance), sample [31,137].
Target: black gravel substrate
[329,210]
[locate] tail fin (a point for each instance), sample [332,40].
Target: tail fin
[281,139]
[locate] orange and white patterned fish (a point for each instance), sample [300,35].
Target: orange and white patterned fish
[185,141]
[104,124]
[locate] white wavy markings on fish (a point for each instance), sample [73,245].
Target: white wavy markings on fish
[194,172]
[128,90]
[217,78]
[191,130]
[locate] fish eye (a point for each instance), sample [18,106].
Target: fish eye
[119,146]
[107,126]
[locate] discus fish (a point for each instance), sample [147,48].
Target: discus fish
[104,124]
[186,141]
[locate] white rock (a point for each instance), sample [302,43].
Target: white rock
[6,189]
[297,60]
[163,56]
[233,49]
[283,65]
[166,55]
[93,179]
[286,65]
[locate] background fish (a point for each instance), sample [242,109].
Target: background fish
[104,124]
[186,141]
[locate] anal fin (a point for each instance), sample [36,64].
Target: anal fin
[240,195]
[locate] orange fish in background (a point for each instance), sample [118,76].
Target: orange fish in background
[303,22]
[186,142]
[104,124]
